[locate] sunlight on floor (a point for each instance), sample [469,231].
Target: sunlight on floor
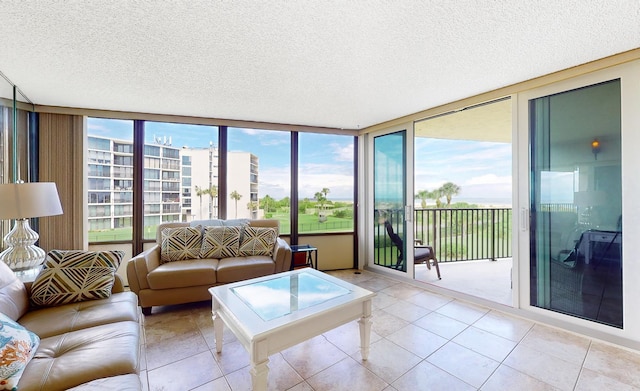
[490,280]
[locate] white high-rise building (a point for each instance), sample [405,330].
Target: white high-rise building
[180,184]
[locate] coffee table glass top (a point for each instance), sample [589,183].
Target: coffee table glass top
[276,297]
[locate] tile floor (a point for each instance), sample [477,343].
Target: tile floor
[420,341]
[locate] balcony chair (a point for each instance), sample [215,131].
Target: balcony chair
[421,253]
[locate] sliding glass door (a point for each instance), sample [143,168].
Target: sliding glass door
[389,200]
[576,264]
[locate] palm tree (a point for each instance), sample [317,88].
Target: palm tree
[252,205]
[448,190]
[436,195]
[236,196]
[267,202]
[423,195]
[213,193]
[325,191]
[200,192]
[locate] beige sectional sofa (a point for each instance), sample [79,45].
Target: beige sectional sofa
[89,345]
[165,282]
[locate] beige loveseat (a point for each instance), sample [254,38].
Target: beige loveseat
[89,345]
[184,281]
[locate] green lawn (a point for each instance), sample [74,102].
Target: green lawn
[306,224]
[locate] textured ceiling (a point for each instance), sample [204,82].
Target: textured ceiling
[343,64]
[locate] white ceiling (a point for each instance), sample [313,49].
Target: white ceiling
[343,64]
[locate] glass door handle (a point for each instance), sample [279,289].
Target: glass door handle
[524,219]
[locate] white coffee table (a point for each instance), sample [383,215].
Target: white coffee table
[272,313]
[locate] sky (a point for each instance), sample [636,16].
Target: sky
[481,169]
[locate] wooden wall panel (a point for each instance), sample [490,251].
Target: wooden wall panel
[62,161]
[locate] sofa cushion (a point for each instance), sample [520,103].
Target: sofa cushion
[130,382]
[193,272]
[14,301]
[258,241]
[70,359]
[180,243]
[73,276]
[61,319]
[17,347]
[220,242]
[243,268]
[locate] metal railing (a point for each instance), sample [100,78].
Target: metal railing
[455,234]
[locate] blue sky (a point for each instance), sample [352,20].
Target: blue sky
[481,169]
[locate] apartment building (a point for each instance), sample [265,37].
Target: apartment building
[180,184]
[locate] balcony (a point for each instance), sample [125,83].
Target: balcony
[473,247]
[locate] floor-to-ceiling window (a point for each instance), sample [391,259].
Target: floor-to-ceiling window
[325,183]
[259,175]
[576,203]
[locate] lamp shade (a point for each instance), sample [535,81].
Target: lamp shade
[26,200]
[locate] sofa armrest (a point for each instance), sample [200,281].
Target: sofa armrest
[139,267]
[282,255]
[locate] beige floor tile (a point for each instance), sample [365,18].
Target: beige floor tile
[558,343]
[402,291]
[407,311]
[347,337]
[417,340]
[464,312]
[441,325]
[429,300]
[219,384]
[384,323]
[503,325]
[313,356]
[382,300]
[185,374]
[346,375]
[475,370]
[352,276]
[427,377]
[304,386]
[485,343]
[281,376]
[233,357]
[175,347]
[506,378]
[377,284]
[593,381]
[545,367]
[389,361]
[616,363]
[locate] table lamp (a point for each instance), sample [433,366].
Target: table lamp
[21,201]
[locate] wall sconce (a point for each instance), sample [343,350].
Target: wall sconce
[595,147]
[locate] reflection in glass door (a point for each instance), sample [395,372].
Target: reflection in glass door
[389,184]
[576,203]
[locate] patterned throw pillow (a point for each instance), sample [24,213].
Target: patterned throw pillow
[180,243]
[17,347]
[220,242]
[73,276]
[258,241]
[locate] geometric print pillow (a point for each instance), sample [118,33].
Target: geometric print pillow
[180,243]
[258,241]
[220,242]
[73,276]
[17,347]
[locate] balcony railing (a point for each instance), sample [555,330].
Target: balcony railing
[455,234]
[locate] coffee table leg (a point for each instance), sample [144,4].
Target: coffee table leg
[218,326]
[259,368]
[365,329]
